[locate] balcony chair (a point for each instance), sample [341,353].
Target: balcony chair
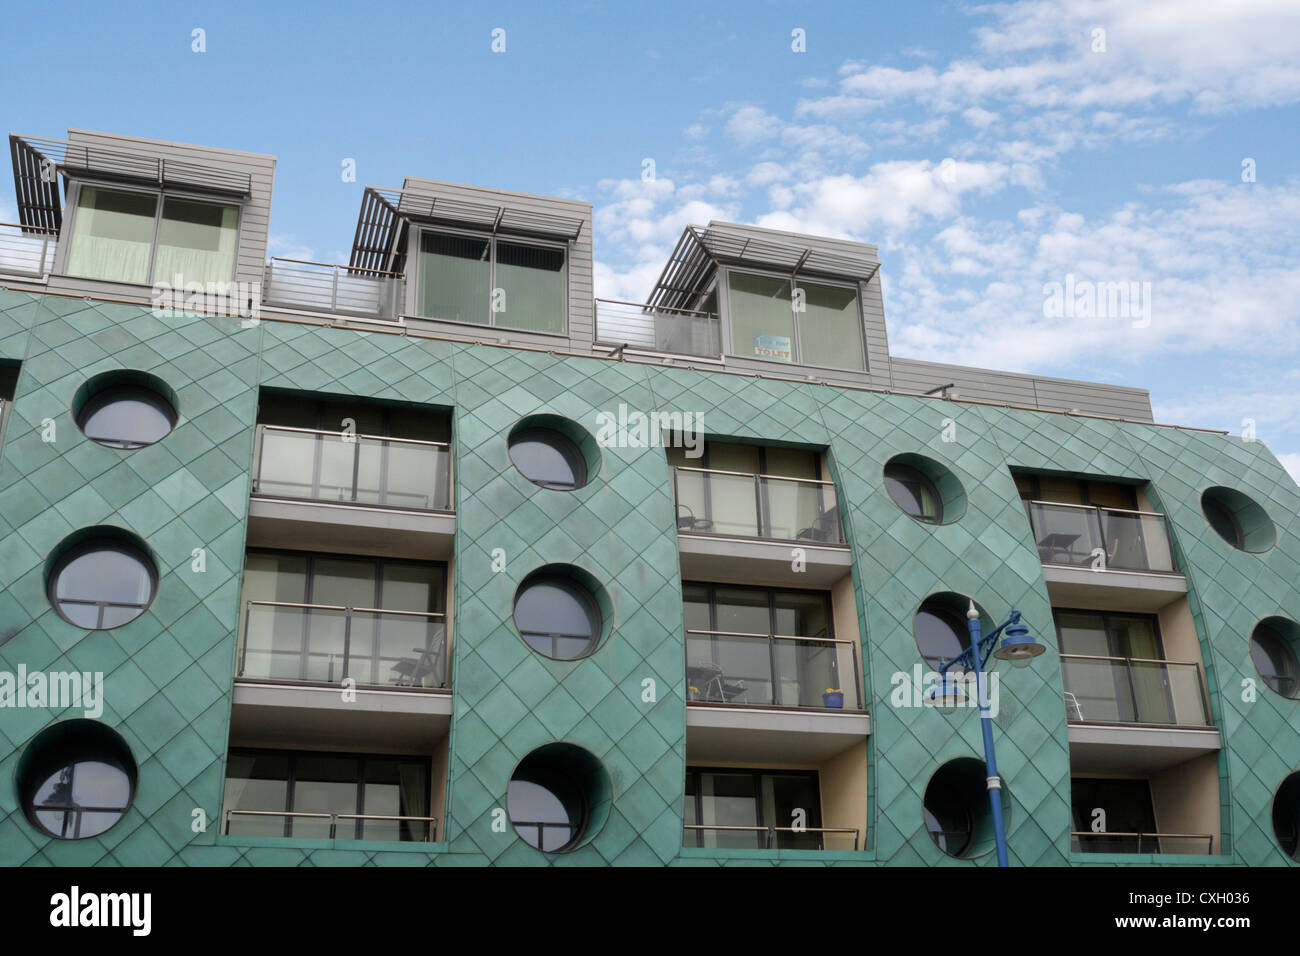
[1072,709]
[732,689]
[825,528]
[688,522]
[411,671]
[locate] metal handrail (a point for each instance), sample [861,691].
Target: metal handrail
[775,637]
[1122,511]
[18,225]
[335,817]
[1184,836]
[355,435]
[1132,660]
[771,830]
[340,607]
[751,474]
[314,607]
[657,308]
[337,265]
[706,826]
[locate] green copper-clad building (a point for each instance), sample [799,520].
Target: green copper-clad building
[433,559]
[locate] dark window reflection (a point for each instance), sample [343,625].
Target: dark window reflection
[126,416]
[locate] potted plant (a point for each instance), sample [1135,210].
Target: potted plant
[833,698]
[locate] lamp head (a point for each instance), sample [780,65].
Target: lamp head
[1018,645]
[946,694]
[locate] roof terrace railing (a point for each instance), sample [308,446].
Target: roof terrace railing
[27,250]
[679,331]
[321,286]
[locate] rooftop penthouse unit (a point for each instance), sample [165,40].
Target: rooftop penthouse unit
[115,216]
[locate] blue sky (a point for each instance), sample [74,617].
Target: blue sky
[988,150]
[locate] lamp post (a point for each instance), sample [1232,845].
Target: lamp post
[1018,647]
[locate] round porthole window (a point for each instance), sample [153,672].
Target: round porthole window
[956,808]
[553,452]
[1273,651]
[940,627]
[76,779]
[559,797]
[1238,520]
[560,612]
[125,409]
[1286,816]
[924,489]
[101,578]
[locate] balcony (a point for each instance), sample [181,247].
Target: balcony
[366,494]
[1126,690]
[734,503]
[1163,843]
[1084,536]
[322,287]
[727,520]
[330,826]
[27,250]
[324,644]
[770,838]
[677,331]
[766,670]
[352,469]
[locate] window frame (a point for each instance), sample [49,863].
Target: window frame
[723,289]
[925,482]
[95,544]
[580,593]
[415,282]
[95,402]
[309,583]
[711,599]
[696,772]
[361,758]
[572,455]
[161,195]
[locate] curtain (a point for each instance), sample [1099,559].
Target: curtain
[112,235]
[532,280]
[830,327]
[454,278]
[762,317]
[1136,638]
[196,243]
[414,793]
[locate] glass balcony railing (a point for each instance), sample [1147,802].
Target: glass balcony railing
[27,250]
[320,286]
[1102,538]
[756,506]
[727,667]
[1129,690]
[678,331]
[330,826]
[324,643]
[358,469]
[1088,842]
[769,838]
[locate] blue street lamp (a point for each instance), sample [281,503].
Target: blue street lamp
[1018,647]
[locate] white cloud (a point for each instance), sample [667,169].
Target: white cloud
[288,247]
[899,195]
[1218,258]
[1210,55]
[749,124]
[979,118]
